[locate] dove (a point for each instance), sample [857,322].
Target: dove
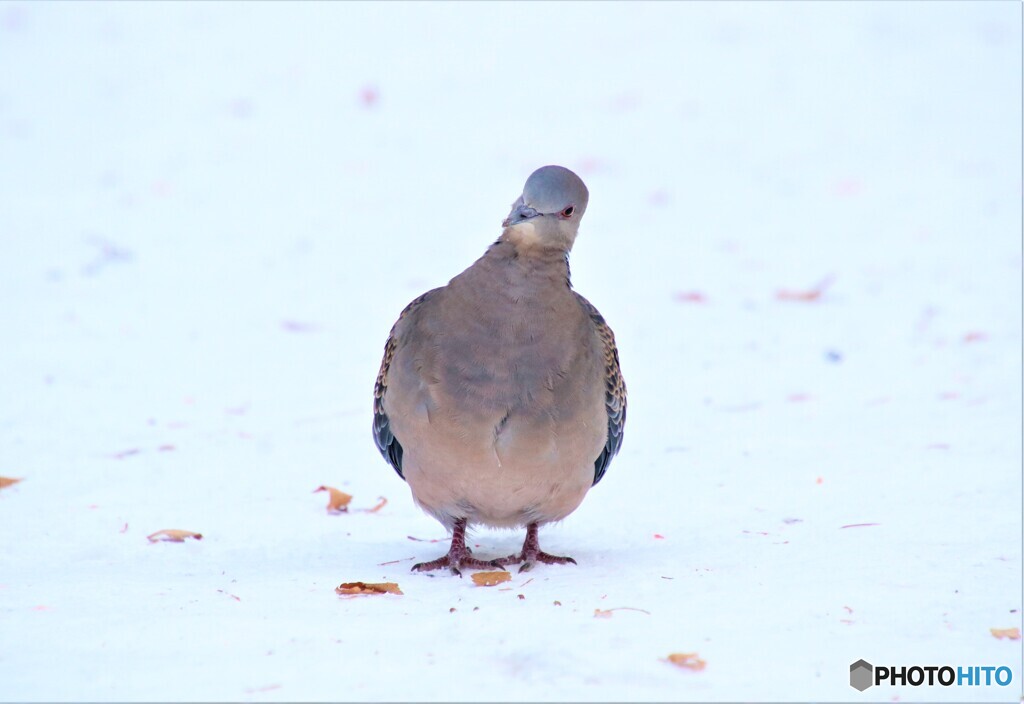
[500,399]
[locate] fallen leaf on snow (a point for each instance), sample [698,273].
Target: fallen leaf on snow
[489,579]
[1011,633]
[339,499]
[172,535]
[687,661]
[7,481]
[351,588]
[382,502]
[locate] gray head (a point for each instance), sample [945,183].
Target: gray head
[549,211]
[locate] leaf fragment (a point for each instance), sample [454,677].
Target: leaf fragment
[381,503]
[687,661]
[607,613]
[489,579]
[806,295]
[339,500]
[1011,633]
[173,535]
[358,588]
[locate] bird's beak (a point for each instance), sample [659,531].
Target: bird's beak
[520,213]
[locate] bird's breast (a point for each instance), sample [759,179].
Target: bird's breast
[518,355]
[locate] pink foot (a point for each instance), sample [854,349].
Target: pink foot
[532,554]
[459,556]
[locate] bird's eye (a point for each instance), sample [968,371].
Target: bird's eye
[567,213]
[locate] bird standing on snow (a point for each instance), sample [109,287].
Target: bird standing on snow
[500,400]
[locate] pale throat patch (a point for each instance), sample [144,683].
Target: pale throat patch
[524,233]
[525,237]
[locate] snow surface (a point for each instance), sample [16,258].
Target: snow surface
[211,214]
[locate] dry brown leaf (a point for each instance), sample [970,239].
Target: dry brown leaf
[687,661]
[353,588]
[489,579]
[172,535]
[1011,633]
[339,499]
[7,481]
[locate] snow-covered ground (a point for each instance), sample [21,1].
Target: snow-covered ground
[805,229]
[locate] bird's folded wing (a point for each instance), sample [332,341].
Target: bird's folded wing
[385,440]
[615,390]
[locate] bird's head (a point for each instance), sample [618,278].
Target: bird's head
[548,213]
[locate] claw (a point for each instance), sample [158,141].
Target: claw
[532,554]
[459,555]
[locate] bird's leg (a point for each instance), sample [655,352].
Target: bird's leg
[532,554]
[459,555]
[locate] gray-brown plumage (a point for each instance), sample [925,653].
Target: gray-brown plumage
[500,399]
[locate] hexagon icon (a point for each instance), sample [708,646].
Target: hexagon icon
[861,675]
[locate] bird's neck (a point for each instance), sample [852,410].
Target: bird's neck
[530,236]
[529,260]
